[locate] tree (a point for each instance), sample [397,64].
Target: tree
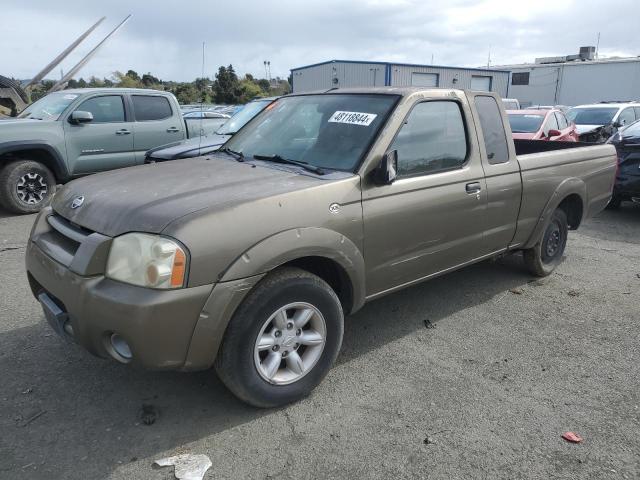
[186,93]
[132,74]
[226,87]
[148,80]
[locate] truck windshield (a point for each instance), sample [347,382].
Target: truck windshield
[49,107]
[240,119]
[525,123]
[327,130]
[591,116]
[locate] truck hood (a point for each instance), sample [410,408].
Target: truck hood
[193,147]
[148,197]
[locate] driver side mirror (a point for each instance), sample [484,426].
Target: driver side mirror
[554,133]
[617,124]
[387,171]
[79,117]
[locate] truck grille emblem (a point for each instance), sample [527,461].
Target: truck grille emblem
[77,202]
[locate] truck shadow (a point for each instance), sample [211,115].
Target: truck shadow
[91,407]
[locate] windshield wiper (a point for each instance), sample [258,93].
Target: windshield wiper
[279,159]
[239,156]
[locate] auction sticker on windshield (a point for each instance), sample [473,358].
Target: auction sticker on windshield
[353,118]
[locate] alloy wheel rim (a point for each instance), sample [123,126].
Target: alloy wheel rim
[290,343]
[553,241]
[32,188]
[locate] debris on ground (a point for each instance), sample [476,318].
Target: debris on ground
[573,293]
[572,437]
[516,291]
[149,414]
[33,417]
[428,324]
[187,467]
[429,441]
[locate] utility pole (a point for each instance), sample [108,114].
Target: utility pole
[489,58]
[597,45]
[266,74]
[432,59]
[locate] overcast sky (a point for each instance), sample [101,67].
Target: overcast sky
[165,37]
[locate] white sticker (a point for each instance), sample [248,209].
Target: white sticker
[353,118]
[70,97]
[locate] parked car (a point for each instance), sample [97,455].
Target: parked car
[597,122]
[77,132]
[249,259]
[195,147]
[511,103]
[627,143]
[542,125]
[201,122]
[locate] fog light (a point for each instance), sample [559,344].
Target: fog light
[121,347]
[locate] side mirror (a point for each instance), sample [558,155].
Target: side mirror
[387,171]
[554,133]
[79,117]
[617,124]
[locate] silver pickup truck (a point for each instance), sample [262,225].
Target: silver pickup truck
[72,133]
[248,259]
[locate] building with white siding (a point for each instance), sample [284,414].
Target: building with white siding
[350,73]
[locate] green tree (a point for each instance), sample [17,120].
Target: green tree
[133,74]
[149,80]
[226,87]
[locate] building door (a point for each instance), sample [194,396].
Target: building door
[424,79]
[481,83]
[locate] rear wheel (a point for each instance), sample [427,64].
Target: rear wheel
[282,340]
[546,255]
[26,186]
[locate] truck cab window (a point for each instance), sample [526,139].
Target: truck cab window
[495,139]
[106,109]
[432,139]
[148,107]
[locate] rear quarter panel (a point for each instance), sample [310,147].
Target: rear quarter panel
[549,177]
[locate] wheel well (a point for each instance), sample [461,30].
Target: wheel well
[332,273]
[572,206]
[37,155]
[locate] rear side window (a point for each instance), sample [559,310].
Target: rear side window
[433,139]
[562,121]
[107,109]
[147,107]
[495,140]
[552,123]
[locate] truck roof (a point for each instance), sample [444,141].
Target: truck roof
[380,90]
[112,89]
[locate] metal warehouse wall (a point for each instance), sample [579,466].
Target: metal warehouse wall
[356,74]
[579,83]
[401,77]
[320,77]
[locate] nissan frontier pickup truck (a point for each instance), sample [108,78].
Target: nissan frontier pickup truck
[72,133]
[248,259]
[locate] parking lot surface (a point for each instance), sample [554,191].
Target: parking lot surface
[476,374]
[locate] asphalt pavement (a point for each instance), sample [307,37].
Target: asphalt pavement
[474,375]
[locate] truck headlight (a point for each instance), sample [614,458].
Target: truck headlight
[147,260]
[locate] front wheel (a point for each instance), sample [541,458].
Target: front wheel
[26,186]
[546,255]
[282,340]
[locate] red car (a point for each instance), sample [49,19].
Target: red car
[542,125]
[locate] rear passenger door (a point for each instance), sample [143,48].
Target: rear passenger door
[432,217]
[502,174]
[156,123]
[104,143]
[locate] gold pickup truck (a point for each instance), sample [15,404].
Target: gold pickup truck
[249,259]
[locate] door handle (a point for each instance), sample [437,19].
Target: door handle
[473,188]
[173,130]
[123,131]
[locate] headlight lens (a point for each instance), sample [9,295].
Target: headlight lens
[147,260]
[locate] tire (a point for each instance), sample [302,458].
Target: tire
[614,203]
[546,255]
[242,362]
[26,186]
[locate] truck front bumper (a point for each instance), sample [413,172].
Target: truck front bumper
[95,311]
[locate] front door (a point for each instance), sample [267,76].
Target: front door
[432,217]
[104,143]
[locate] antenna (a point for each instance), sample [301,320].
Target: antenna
[63,81]
[54,63]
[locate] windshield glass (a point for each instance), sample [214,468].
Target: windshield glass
[329,130]
[49,107]
[241,118]
[591,116]
[525,123]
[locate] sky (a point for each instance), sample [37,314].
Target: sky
[165,37]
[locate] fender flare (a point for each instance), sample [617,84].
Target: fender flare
[59,167]
[569,186]
[297,243]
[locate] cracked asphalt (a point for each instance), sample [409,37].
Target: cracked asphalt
[487,363]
